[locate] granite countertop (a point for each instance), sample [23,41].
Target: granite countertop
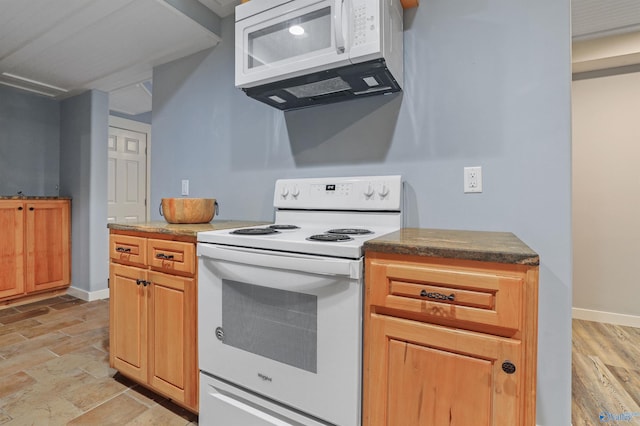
[501,247]
[189,230]
[32,197]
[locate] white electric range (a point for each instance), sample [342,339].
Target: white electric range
[280,306]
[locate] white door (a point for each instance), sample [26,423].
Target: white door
[127,176]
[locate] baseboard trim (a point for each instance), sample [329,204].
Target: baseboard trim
[608,317]
[88,296]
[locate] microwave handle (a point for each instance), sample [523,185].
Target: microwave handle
[337,25]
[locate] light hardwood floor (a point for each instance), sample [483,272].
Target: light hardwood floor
[54,370]
[605,374]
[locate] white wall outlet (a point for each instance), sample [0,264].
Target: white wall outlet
[472,179]
[185,186]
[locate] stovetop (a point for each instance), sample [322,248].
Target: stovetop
[298,240]
[323,216]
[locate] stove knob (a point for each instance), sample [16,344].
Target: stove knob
[295,192]
[219,333]
[384,191]
[285,192]
[368,193]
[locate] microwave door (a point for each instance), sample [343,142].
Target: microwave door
[291,40]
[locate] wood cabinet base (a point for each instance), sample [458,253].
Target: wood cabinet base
[449,342]
[35,252]
[153,315]
[30,298]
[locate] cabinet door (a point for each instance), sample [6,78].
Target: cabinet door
[423,374]
[173,366]
[128,320]
[47,245]
[11,248]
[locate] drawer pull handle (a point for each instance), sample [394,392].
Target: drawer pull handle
[123,249]
[164,256]
[438,296]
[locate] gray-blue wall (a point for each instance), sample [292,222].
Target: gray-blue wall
[29,143]
[83,173]
[486,84]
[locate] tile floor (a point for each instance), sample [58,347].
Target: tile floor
[54,370]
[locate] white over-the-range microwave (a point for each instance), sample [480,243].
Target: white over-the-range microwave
[298,53]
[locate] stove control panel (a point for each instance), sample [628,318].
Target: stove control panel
[344,193]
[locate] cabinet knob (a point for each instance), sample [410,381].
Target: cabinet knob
[31,208]
[508,367]
[20,208]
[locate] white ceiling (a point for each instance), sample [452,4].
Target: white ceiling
[222,8]
[62,48]
[606,36]
[600,18]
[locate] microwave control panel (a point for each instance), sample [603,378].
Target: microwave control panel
[365,22]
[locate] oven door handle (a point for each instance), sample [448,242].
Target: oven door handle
[351,268]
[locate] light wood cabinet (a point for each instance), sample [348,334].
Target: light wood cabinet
[128,321]
[449,342]
[35,253]
[173,368]
[153,317]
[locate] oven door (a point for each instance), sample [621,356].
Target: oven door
[286,327]
[290,39]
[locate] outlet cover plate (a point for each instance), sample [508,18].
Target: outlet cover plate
[472,179]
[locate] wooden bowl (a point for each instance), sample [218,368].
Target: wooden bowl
[188,210]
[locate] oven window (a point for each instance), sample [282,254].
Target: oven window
[277,324]
[294,37]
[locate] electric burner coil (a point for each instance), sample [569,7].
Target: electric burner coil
[350,231]
[254,231]
[331,238]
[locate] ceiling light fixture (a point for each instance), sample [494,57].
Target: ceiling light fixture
[37,83]
[296,30]
[28,89]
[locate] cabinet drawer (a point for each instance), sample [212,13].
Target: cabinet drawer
[438,292]
[128,250]
[172,256]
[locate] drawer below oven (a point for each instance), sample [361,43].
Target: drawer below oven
[222,404]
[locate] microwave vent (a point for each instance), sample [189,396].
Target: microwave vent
[319,88]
